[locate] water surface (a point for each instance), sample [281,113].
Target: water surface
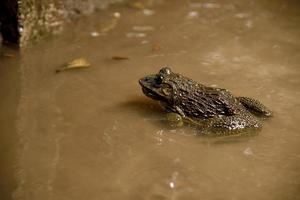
[92,134]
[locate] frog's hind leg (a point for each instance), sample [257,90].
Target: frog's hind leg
[231,125]
[254,106]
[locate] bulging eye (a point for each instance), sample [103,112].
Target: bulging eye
[159,79]
[165,70]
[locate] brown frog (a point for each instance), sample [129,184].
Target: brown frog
[214,110]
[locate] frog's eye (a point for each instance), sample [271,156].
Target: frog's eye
[159,79]
[165,70]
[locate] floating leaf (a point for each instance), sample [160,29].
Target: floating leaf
[110,25]
[75,64]
[8,55]
[156,47]
[120,58]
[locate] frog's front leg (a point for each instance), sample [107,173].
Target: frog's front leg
[178,118]
[175,116]
[174,119]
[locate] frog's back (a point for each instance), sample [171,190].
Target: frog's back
[206,102]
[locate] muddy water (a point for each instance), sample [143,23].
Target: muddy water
[91,133]
[9,92]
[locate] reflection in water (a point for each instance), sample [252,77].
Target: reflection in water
[92,134]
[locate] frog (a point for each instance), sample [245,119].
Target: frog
[213,110]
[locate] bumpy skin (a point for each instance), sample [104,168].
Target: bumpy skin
[213,109]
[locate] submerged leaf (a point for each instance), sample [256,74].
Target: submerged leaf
[75,64]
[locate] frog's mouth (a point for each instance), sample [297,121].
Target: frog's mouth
[151,94]
[149,88]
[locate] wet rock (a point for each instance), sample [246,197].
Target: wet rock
[9,21]
[27,21]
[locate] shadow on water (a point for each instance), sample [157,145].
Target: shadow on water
[221,137]
[142,107]
[227,139]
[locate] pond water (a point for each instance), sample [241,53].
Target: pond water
[92,134]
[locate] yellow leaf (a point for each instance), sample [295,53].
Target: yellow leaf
[75,64]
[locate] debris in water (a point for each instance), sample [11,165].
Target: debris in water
[159,138]
[143,28]
[172,185]
[120,58]
[135,35]
[107,138]
[94,34]
[7,55]
[136,5]
[249,23]
[111,24]
[117,15]
[173,179]
[156,55]
[211,5]
[156,47]
[145,42]
[248,151]
[193,14]
[204,5]
[78,63]
[241,15]
[148,12]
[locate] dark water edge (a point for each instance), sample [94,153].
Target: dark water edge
[10,94]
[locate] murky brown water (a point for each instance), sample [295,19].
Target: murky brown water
[9,92]
[91,134]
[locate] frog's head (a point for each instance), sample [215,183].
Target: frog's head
[157,86]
